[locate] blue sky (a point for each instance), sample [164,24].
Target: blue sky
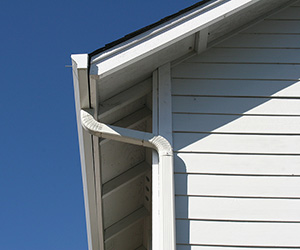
[40,177]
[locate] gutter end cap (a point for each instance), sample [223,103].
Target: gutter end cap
[81,60]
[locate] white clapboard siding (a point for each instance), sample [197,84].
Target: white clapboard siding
[228,55]
[254,88]
[241,209]
[239,233]
[234,105]
[236,124]
[290,13]
[237,186]
[237,71]
[261,41]
[236,137]
[275,26]
[237,164]
[228,143]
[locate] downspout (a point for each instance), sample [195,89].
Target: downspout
[165,152]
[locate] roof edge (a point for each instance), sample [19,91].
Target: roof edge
[172,31]
[148,27]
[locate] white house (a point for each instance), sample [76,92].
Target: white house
[189,131]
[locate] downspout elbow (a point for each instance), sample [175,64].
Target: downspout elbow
[162,145]
[157,142]
[165,152]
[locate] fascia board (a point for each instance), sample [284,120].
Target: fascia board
[163,36]
[81,93]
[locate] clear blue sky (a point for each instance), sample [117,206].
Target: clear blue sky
[40,177]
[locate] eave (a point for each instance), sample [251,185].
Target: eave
[124,64]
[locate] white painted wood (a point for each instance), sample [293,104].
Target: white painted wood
[156,228]
[98,188]
[123,224]
[138,71]
[126,200]
[132,121]
[80,79]
[166,168]
[124,111]
[236,124]
[238,186]
[239,233]
[129,239]
[125,178]
[237,164]
[261,41]
[124,98]
[290,13]
[233,80]
[228,105]
[230,55]
[147,232]
[237,71]
[211,208]
[93,88]
[276,27]
[245,19]
[165,102]
[163,36]
[227,143]
[235,88]
[201,39]
[128,156]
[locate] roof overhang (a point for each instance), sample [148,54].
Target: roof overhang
[134,59]
[188,33]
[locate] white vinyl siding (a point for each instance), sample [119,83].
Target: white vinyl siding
[236,139]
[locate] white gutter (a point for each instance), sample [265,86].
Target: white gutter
[164,35]
[165,152]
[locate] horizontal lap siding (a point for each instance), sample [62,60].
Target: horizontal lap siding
[236,137]
[242,164]
[228,143]
[227,55]
[239,71]
[239,233]
[237,186]
[265,41]
[236,105]
[235,209]
[275,27]
[236,87]
[236,124]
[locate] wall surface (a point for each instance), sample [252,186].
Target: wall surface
[236,137]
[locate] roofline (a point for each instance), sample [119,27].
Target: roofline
[146,28]
[163,35]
